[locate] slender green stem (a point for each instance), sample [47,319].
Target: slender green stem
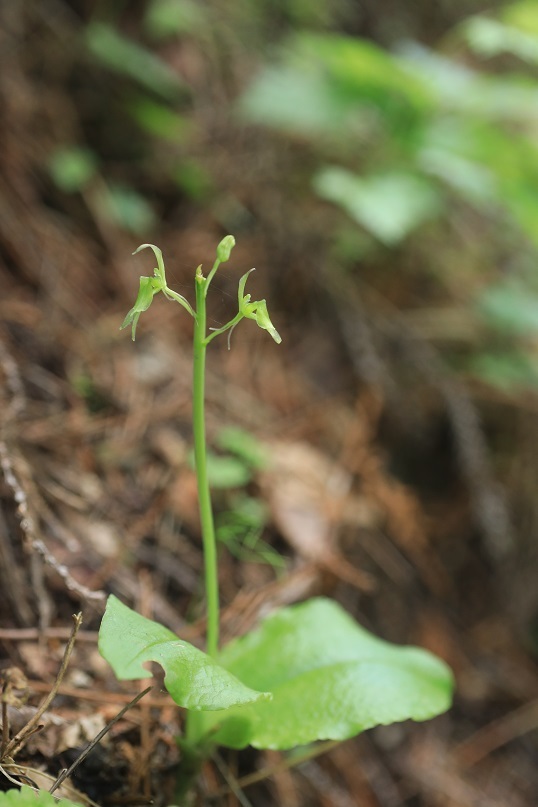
[200,455]
[229,325]
[212,274]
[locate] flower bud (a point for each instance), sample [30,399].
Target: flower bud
[225,247]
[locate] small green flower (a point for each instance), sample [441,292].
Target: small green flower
[149,287]
[256,310]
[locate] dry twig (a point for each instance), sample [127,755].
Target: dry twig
[20,738]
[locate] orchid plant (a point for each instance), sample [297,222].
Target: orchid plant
[309,672]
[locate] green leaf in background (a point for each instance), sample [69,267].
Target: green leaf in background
[508,370]
[130,59]
[240,530]
[27,797]
[193,679]
[364,70]
[244,445]
[522,15]
[225,472]
[71,168]
[295,100]
[511,307]
[159,120]
[490,38]
[471,181]
[194,180]
[128,209]
[469,94]
[328,84]
[389,206]
[166,18]
[330,679]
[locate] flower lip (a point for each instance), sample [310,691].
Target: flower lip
[146,292]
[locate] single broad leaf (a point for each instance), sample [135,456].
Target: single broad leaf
[27,797]
[193,679]
[330,680]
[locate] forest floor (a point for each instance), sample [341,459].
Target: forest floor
[375,488]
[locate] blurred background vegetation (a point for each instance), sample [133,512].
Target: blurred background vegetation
[402,142]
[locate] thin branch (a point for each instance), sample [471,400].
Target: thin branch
[34,634]
[98,695]
[68,771]
[5,724]
[231,781]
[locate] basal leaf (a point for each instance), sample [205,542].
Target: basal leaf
[193,679]
[330,679]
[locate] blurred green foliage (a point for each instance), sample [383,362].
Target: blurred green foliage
[122,55]
[413,136]
[240,529]
[423,152]
[72,169]
[165,18]
[243,445]
[415,127]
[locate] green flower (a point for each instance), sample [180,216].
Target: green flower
[256,310]
[143,301]
[149,287]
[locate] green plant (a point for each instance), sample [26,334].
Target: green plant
[309,672]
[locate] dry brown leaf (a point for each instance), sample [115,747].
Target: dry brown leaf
[310,499]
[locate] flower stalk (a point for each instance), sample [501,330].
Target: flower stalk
[200,457]
[256,310]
